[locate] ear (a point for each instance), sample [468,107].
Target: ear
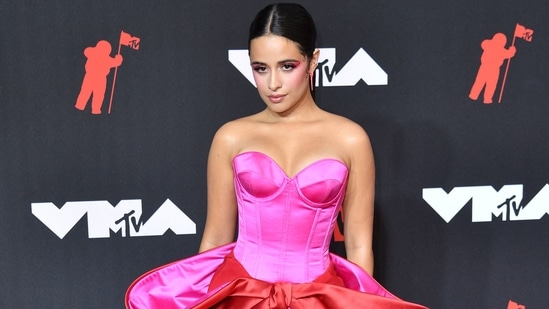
[313,63]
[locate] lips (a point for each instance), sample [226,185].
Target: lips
[276,98]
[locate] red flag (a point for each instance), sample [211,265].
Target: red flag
[131,41]
[524,33]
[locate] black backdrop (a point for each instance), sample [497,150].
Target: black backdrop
[174,92]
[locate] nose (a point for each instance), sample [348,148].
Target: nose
[274,81]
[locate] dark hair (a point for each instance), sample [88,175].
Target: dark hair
[288,20]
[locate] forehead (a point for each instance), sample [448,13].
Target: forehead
[273,48]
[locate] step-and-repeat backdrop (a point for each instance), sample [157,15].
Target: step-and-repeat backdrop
[108,109]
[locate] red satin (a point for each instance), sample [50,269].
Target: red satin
[326,292]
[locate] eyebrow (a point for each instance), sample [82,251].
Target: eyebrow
[280,62]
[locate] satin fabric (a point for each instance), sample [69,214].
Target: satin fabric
[286,221]
[284,230]
[184,284]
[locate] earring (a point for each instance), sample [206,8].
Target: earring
[311,80]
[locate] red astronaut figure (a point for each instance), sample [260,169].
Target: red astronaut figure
[97,67]
[493,55]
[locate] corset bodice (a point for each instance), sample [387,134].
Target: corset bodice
[286,223]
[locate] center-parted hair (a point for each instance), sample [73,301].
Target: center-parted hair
[288,20]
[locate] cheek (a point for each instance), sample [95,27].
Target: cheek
[260,81]
[297,79]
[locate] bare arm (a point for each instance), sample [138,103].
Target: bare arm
[358,206]
[222,208]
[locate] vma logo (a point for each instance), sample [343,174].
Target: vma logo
[104,218]
[360,67]
[487,203]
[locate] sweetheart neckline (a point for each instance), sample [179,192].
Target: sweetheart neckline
[307,166]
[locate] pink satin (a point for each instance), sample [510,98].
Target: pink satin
[286,224]
[285,227]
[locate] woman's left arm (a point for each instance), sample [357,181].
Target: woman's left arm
[358,206]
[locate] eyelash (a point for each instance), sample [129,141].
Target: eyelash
[286,67]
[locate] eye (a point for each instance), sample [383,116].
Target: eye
[259,68]
[289,66]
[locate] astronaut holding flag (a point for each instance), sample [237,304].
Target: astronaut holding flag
[98,66]
[493,56]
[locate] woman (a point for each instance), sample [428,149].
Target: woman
[281,175]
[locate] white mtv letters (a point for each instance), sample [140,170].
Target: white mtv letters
[360,67]
[104,218]
[487,202]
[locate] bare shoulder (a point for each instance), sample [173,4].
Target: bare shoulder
[347,131]
[237,127]
[351,140]
[231,135]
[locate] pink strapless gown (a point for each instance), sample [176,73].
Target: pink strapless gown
[285,229]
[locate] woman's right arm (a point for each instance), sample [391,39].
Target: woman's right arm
[221,215]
